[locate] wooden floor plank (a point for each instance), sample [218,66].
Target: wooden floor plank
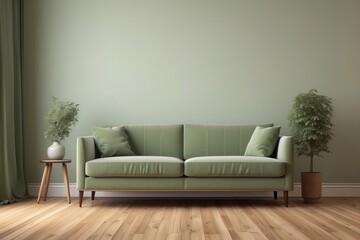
[113,211]
[220,225]
[132,222]
[241,223]
[26,228]
[197,232]
[163,230]
[89,225]
[208,219]
[115,224]
[312,225]
[55,226]
[24,213]
[185,223]
[154,222]
[115,218]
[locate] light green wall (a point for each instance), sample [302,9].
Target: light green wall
[192,61]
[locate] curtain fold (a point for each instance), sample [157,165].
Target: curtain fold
[12,177]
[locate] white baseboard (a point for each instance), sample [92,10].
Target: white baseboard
[328,190]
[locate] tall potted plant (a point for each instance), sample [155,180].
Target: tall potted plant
[58,122]
[310,119]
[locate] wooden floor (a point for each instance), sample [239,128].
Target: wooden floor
[115,218]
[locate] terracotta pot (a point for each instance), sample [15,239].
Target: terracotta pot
[311,186]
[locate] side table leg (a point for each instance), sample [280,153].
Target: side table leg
[66,182]
[47,179]
[43,179]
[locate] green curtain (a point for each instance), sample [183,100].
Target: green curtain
[12,180]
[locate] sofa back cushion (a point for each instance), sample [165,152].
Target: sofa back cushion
[217,140]
[156,140]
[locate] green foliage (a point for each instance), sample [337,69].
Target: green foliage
[60,118]
[311,121]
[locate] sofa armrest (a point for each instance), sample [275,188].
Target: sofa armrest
[285,152]
[85,151]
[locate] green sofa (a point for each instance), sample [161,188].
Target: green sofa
[186,158]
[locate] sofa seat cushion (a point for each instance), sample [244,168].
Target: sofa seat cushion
[135,166]
[234,166]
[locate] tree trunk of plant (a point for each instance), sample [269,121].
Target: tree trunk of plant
[312,163]
[312,147]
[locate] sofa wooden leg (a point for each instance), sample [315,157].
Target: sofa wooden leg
[275,195]
[92,195]
[286,198]
[81,196]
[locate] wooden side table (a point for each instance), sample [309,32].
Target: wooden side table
[46,177]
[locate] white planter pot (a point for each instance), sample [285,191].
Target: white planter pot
[56,151]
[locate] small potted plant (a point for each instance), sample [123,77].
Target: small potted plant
[58,122]
[310,119]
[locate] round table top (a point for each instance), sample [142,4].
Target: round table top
[56,161]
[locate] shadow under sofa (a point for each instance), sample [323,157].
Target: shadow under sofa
[186,157]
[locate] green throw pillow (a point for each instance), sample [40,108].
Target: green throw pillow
[263,141]
[112,141]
